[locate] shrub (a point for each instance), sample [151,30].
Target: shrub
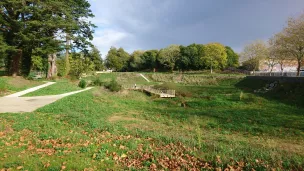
[82,84]
[113,86]
[61,69]
[31,76]
[98,82]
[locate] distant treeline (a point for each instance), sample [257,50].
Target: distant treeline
[173,57]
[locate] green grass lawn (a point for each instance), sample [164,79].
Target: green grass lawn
[220,126]
[9,85]
[60,87]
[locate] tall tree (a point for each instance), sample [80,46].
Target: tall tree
[117,59]
[124,57]
[149,59]
[135,62]
[290,41]
[3,51]
[277,53]
[95,56]
[215,56]
[255,53]
[190,56]
[232,57]
[168,56]
[34,26]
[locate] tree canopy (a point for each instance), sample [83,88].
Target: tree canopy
[168,56]
[232,57]
[253,53]
[117,59]
[215,56]
[35,28]
[290,41]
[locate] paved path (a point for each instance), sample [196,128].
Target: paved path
[144,77]
[15,104]
[21,93]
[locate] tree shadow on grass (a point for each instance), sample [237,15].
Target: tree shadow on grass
[291,93]
[3,73]
[280,120]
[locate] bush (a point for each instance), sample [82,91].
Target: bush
[98,82]
[82,84]
[113,86]
[61,69]
[31,76]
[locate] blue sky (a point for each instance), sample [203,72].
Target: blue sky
[155,24]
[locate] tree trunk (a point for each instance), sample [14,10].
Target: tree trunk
[15,68]
[299,67]
[52,69]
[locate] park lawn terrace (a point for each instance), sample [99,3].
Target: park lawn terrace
[219,126]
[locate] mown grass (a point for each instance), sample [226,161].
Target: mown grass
[60,87]
[9,85]
[219,125]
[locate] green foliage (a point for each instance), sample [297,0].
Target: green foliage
[61,70]
[117,59]
[113,86]
[149,59]
[190,57]
[183,62]
[36,23]
[232,57]
[37,63]
[168,56]
[80,65]
[95,57]
[82,83]
[3,51]
[173,57]
[215,56]
[98,81]
[135,61]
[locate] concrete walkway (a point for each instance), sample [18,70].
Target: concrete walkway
[15,104]
[21,93]
[144,77]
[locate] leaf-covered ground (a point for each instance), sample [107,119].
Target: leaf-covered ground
[206,127]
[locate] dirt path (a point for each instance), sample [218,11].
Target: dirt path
[15,104]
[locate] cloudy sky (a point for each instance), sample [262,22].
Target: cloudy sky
[154,24]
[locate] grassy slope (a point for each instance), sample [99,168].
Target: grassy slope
[9,85]
[124,78]
[61,86]
[98,129]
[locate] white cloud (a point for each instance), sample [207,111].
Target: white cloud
[105,38]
